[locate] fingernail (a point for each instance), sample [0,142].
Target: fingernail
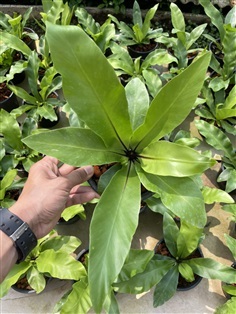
[89,170]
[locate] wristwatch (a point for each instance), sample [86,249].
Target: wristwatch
[19,231]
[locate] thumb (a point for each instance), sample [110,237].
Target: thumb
[80,175]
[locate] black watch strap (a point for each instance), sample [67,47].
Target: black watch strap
[19,231]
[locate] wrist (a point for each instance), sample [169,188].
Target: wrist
[19,232]
[23,213]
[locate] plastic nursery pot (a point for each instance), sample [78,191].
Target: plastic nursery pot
[8,100]
[18,77]
[227,295]
[46,123]
[142,50]
[29,41]
[183,285]
[23,286]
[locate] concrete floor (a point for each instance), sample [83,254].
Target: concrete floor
[204,298]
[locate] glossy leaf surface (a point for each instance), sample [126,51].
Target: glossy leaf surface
[107,247]
[81,70]
[170,159]
[82,146]
[144,281]
[208,268]
[172,104]
[167,287]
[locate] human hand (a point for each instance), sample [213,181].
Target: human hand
[48,191]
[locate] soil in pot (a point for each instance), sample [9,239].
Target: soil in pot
[8,100]
[142,50]
[23,286]
[183,285]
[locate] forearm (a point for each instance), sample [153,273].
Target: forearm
[8,256]
[11,237]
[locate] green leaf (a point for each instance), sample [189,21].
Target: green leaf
[231,244]
[78,300]
[94,80]
[181,196]
[8,179]
[230,209]
[215,16]
[14,42]
[136,262]
[167,287]
[137,15]
[212,195]
[172,104]
[60,265]
[186,271]
[226,308]
[67,244]
[10,129]
[178,22]
[170,159]
[12,277]
[195,34]
[82,146]
[208,268]
[23,94]
[230,289]
[111,304]
[229,50]
[144,281]
[217,139]
[72,211]
[147,20]
[171,233]
[105,245]
[188,239]
[36,280]
[138,102]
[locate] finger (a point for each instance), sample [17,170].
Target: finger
[51,159]
[79,189]
[66,169]
[80,175]
[82,198]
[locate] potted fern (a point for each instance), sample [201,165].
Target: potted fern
[51,258]
[140,37]
[117,130]
[178,264]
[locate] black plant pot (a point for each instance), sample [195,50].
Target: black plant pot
[10,102]
[25,288]
[81,256]
[29,41]
[183,285]
[18,77]
[142,50]
[46,123]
